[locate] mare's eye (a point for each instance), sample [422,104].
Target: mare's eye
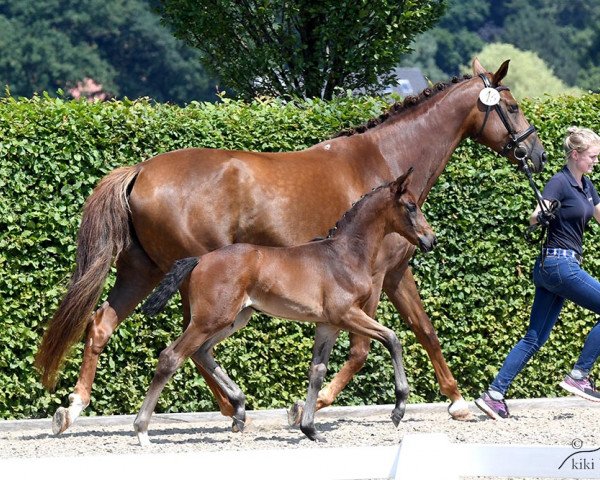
[513,108]
[411,207]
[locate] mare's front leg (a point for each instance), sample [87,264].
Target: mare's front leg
[325,338]
[400,287]
[137,275]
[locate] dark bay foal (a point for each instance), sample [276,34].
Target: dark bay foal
[328,282]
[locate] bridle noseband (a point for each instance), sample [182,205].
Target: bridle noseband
[515,143]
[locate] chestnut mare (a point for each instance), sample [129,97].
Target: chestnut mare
[328,282]
[190,202]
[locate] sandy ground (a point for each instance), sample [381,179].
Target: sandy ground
[560,421]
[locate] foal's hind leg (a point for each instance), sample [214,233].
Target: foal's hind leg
[137,275]
[169,361]
[222,400]
[204,360]
[402,291]
[325,338]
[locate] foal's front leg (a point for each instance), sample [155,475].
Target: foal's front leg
[359,322]
[325,338]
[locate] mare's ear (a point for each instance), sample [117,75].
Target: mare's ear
[403,181]
[477,67]
[500,73]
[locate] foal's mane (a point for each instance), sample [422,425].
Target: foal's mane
[403,106]
[349,215]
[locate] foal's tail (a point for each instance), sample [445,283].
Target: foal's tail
[157,300]
[104,232]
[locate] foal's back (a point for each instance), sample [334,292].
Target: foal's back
[308,282]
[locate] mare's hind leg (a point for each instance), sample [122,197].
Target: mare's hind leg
[325,338]
[137,275]
[402,291]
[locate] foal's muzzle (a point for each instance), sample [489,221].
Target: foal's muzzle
[427,242]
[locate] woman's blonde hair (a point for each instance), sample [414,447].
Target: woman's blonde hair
[579,139]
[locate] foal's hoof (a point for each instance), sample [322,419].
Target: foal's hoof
[459,410]
[397,415]
[143,439]
[313,435]
[238,425]
[60,421]
[294,414]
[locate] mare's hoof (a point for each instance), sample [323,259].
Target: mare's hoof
[238,425]
[294,414]
[397,415]
[459,410]
[60,421]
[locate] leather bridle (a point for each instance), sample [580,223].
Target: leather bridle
[515,143]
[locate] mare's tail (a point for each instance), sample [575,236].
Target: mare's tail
[104,232]
[169,285]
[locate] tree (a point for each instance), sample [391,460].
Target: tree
[528,75]
[50,44]
[300,48]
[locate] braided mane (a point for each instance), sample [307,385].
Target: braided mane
[402,106]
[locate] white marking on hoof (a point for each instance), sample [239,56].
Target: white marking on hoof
[459,410]
[64,417]
[60,421]
[143,439]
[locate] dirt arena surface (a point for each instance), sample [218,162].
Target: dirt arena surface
[559,421]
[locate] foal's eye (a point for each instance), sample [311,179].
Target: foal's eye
[411,207]
[513,108]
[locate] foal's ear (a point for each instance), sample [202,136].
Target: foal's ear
[500,73]
[403,181]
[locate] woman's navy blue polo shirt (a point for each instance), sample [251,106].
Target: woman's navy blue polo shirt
[576,208]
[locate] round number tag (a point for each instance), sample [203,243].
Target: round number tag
[489,96]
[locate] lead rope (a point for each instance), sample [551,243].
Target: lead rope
[547,211]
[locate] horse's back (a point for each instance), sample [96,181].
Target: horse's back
[192,201]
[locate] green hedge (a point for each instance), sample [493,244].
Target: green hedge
[475,286]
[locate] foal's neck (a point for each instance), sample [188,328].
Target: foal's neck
[362,236]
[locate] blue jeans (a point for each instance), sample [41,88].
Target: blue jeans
[558,279]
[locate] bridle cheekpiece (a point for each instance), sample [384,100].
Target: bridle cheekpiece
[490,97]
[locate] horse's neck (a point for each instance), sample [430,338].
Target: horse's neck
[426,136]
[364,233]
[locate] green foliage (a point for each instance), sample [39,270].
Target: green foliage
[475,286]
[300,48]
[52,44]
[528,75]
[565,35]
